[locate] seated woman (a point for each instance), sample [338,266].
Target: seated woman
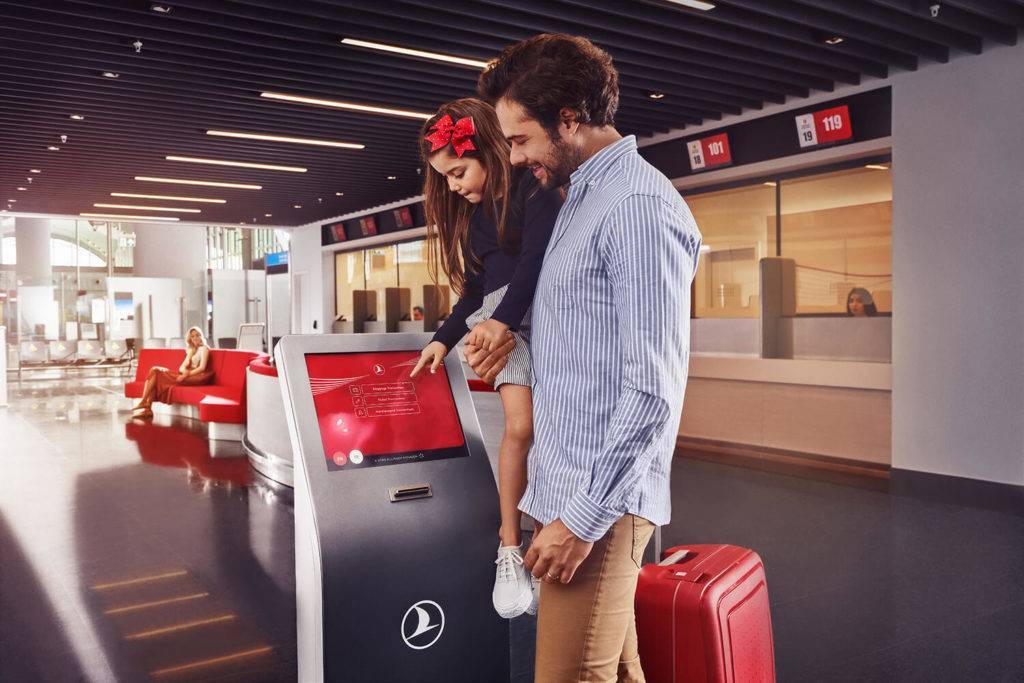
[860,303]
[191,372]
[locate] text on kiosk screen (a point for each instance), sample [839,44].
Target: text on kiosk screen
[371,413]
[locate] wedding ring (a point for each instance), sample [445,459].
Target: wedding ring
[553,578]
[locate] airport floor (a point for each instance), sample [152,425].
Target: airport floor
[128,553]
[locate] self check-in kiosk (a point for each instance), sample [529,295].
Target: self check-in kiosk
[396,515]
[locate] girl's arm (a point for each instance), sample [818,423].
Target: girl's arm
[539,215]
[454,328]
[183,368]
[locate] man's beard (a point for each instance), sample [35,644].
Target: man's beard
[562,161]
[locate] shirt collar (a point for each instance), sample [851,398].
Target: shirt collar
[592,169]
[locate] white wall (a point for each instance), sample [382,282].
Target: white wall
[175,251]
[958,262]
[305,259]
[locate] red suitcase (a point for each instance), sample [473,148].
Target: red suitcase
[702,617]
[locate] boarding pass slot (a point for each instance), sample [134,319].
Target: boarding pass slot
[398,494]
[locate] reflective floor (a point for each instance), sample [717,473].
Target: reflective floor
[128,553]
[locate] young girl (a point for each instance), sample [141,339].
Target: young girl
[489,228]
[193,371]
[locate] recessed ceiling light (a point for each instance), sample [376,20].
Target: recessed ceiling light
[23,189]
[111,74]
[770,184]
[339,194]
[877,167]
[392,177]
[77,117]
[238,164]
[656,95]
[297,206]
[146,208]
[34,170]
[209,183]
[53,148]
[267,215]
[161,9]
[169,198]
[123,215]
[834,40]
[695,4]
[285,138]
[11,201]
[436,56]
[369,109]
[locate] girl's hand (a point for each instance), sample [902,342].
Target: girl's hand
[433,354]
[488,335]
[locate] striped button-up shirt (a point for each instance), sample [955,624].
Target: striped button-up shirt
[611,325]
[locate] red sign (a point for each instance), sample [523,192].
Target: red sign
[709,152]
[824,127]
[338,231]
[368,225]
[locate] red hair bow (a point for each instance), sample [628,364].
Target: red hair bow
[460,134]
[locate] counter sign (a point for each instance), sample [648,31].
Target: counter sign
[709,152]
[824,127]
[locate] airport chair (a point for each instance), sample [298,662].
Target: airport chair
[90,349]
[34,352]
[115,349]
[62,351]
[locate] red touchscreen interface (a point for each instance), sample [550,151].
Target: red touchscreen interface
[371,413]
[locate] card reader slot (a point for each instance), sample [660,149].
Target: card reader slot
[397,494]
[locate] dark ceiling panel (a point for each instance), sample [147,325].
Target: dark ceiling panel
[204,65]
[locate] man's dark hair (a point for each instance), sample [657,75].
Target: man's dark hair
[549,72]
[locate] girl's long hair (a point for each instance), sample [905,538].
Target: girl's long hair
[448,213]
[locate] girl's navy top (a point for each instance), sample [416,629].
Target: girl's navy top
[516,263]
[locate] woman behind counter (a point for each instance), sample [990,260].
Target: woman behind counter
[191,372]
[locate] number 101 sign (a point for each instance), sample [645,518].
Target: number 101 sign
[709,152]
[822,127]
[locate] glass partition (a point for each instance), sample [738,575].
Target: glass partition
[349,275]
[838,228]
[738,231]
[381,272]
[414,273]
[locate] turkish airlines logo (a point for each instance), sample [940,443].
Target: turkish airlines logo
[423,624]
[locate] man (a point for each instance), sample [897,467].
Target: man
[610,347]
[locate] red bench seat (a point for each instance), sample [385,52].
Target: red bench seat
[223,400]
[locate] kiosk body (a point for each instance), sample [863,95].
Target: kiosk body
[396,515]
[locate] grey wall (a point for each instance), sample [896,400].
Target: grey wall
[726,335]
[855,339]
[958,262]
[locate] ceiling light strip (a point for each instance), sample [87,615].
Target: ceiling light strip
[146,208]
[209,183]
[410,52]
[168,197]
[237,164]
[285,138]
[129,217]
[336,104]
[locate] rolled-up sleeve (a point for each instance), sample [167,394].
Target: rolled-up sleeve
[649,249]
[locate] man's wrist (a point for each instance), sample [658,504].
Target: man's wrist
[588,519]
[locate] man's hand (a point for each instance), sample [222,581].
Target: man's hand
[556,553]
[488,335]
[487,364]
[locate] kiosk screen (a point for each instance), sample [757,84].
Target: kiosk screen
[371,413]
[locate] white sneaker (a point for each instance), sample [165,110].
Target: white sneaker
[513,593]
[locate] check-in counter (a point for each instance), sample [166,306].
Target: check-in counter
[831,408]
[266,439]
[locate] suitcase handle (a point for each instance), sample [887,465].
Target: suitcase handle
[674,558]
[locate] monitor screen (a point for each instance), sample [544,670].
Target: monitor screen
[371,413]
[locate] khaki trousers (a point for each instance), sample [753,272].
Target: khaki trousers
[586,630]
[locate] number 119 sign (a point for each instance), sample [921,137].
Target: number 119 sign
[709,152]
[823,127]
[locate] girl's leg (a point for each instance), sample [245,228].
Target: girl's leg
[515,444]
